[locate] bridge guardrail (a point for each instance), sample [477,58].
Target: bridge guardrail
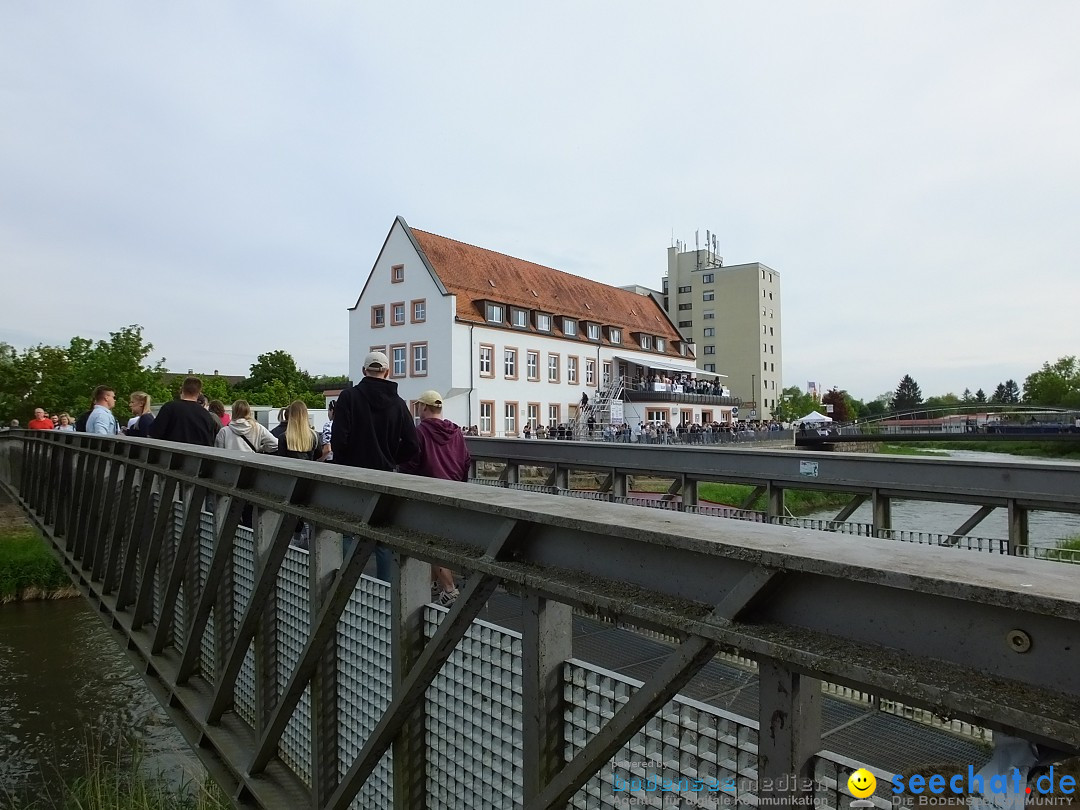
[805,605]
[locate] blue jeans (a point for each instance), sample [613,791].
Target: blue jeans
[384,557]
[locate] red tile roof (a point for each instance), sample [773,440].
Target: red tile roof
[476,275]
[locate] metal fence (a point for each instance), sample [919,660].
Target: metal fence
[301,682]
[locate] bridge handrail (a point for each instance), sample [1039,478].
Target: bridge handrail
[802,603]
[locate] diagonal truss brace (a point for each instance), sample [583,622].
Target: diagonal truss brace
[474,596]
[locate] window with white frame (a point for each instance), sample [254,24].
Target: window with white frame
[510,363]
[519,318]
[553,415]
[485,417]
[543,322]
[590,372]
[419,359]
[533,415]
[510,413]
[569,327]
[494,313]
[532,365]
[419,311]
[553,368]
[486,355]
[571,370]
[660,344]
[399,361]
[593,331]
[607,374]
[645,341]
[397,314]
[614,335]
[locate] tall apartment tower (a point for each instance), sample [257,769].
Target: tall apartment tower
[732,313]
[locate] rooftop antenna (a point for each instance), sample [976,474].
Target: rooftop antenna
[697,248]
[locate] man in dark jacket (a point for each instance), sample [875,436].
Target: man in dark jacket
[184,419]
[443,454]
[374,429]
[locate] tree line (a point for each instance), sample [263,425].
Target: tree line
[1055,385]
[61,379]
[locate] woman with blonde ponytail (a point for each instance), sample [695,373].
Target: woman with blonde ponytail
[299,440]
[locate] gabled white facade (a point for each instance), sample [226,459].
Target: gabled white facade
[470,363]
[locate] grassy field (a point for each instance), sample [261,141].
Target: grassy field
[28,569]
[798,502]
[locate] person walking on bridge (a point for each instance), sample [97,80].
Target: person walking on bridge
[101,419]
[40,421]
[443,454]
[374,429]
[184,419]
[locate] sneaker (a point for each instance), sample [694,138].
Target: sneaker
[447,598]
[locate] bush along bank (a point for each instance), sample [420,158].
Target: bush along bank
[28,570]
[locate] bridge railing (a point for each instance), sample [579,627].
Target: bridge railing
[1020,488]
[302,683]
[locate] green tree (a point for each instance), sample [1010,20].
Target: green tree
[276,365]
[907,396]
[793,403]
[63,378]
[967,396]
[1055,385]
[980,397]
[949,400]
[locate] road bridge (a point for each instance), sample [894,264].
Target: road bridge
[300,683]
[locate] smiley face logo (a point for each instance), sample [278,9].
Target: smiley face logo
[861,783]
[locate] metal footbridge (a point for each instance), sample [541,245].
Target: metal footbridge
[300,682]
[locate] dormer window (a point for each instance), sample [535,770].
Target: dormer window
[519,318]
[614,335]
[593,331]
[494,313]
[645,341]
[659,344]
[543,322]
[569,327]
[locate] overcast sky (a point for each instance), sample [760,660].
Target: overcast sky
[225,173]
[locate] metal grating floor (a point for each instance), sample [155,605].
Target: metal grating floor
[883,740]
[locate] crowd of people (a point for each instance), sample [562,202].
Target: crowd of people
[654,432]
[369,426]
[679,384]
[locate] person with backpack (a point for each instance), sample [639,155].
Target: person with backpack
[243,433]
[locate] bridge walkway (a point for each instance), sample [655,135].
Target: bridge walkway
[852,729]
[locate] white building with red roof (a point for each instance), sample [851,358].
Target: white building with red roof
[510,343]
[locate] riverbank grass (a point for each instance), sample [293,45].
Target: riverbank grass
[28,570]
[119,782]
[796,501]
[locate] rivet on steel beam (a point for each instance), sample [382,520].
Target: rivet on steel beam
[1018,641]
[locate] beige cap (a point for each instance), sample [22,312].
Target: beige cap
[432,398]
[377,360]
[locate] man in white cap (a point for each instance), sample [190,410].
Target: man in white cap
[443,454]
[374,429]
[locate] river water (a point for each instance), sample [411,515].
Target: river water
[65,685]
[66,689]
[1045,528]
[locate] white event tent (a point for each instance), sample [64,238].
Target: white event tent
[814,416]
